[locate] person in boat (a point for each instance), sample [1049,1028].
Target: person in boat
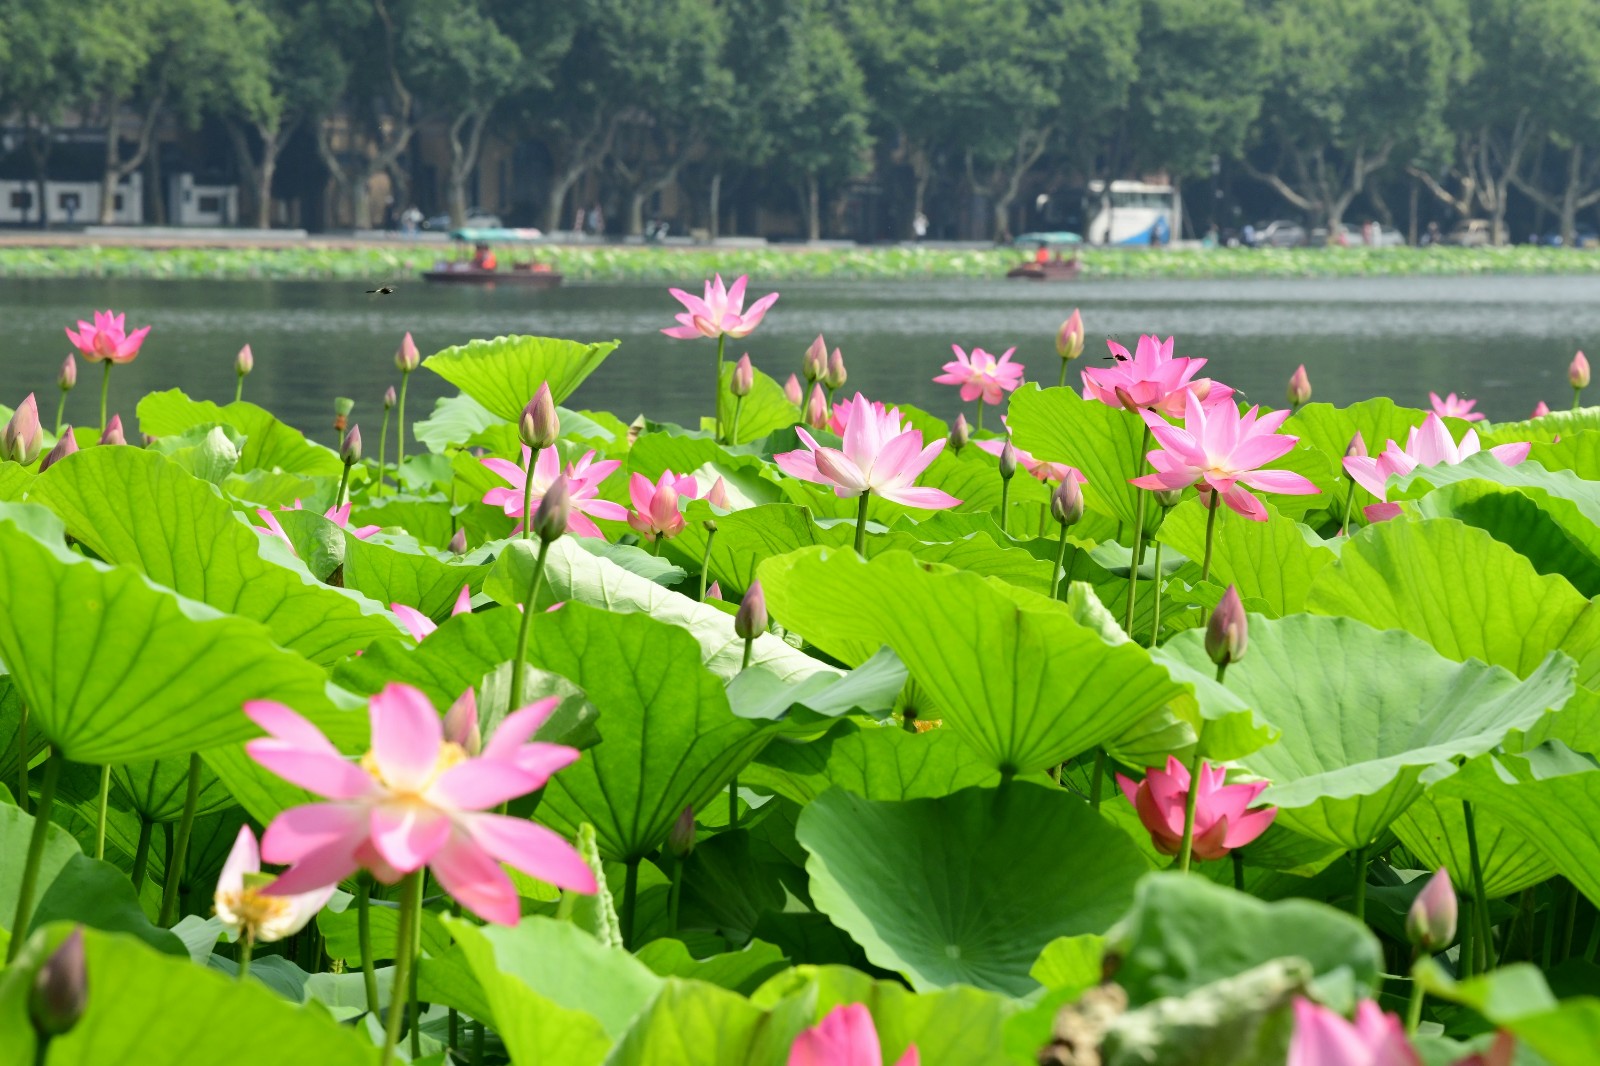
[483,257]
[1042,256]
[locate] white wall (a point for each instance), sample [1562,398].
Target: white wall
[58,193]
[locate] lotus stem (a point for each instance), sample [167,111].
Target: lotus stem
[1211,527]
[400,430]
[478,1033]
[1063,382]
[405,951]
[738,409]
[1155,613]
[1238,870]
[1414,1005]
[1061,556]
[1186,848]
[22,760]
[383,447]
[1593,945]
[1466,960]
[238,394]
[1361,857]
[630,900]
[344,485]
[100,821]
[141,853]
[1577,397]
[1005,501]
[674,894]
[105,391]
[414,1014]
[30,868]
[1097,778]
[527,493]
[528,609]
[455,1033]
[1479,897]
[1349,505]
[61,412]
[180,849]
[248,943]
[1572,920]
[716,396]
[979,427]
[1138,540]
[861,524]
[369,974]
[705,561]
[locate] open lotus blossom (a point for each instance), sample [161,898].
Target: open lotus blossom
[1223,819]
[879,456]
[107,338]
[839,418]
[339,516]
[1427,445]
[981,374]
[244,907]
[720,312]
[414,800]
[1153,378]
[420,625]
[846,1036]
[1453,406]
[583,485]
[1226,451]
[655,507]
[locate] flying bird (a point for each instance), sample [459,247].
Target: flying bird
[382,290]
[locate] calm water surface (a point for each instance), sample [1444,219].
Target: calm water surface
[1505,341]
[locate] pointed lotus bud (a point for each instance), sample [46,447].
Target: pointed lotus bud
[540,425]
[1008,461]
[1228,631]
[1541,410]
[1299,387]
[69,373]
[1126,399]
[461,723]
[350,449]
[60,989]
[960,433]
[389,398]
[792,391]
[817,409]
[458,543]
[1167,498]
[66,444]
[1069,338]
[751,619]
[550,520]
[837,375]
[1431,921]
[244,362]
[112,434]
[680,839]
[1066,503]
[23,437]
[713,591]
[1357,446]
[815,366]
[744,376]
[1578,372]
[718,496]
[407,358]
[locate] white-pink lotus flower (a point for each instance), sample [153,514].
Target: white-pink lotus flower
[420,625]
[879,456]
[1427,445]
[981,374]
[720,312]
[107,338]
[247,910]
[1453,406]
[583,486]
[1153,378]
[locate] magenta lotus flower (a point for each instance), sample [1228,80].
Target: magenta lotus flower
[420,625]
[415,800]
[1153,378]
[1427,445]
[839,419]
[1223,819]
[244,907]
[1453,406]
[1323,1038]
[720,312]
[339,516]
[792,392]
[583,486]
[107,339]
[1226,451]
[655,507]
[846,1036]
[981,374]
[879,456]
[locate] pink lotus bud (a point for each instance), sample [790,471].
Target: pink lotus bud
[744,376]
[68,377]
[1069,338]
[1008,461]
[461,723]
[751,619]
[1228,631]
[680,839]
[960,433]
[836,376]
[714,591]
[550,520]
[1126,400]
[1066,503]
[66,444]
[1578,372]
[1357,446]
[1168,498]
[350,448]
[815,367]
[792,391]
[244,362]
[1299,387]
[1431,921]
[817,409]
[23,437]
[1541,410]
[407,358]
[458,543]
[389,399]
[112,434]
[718,496]
[540,426]
[60,989]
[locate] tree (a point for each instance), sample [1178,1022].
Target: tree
[42,77]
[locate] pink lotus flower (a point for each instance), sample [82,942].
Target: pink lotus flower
[339,516]
[1046,472]
[1153,378]
[1453,406]
[415,800]
[655,507]
[845,1037]
[420,625]
[791,391]
[247,910]
[1222,818]
[720,312]
[1427,445]
[107,338]
[1069,338]
[839,419]
[583,485]
[1541,410]
[981,374]
[1225,450]
[1323,1038]
[879,456]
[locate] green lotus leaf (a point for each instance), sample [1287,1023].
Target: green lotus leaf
[1059,426]
[741,971]
[1434,829]
[156,790]
[268,443]
[1518,999]
[871,687]
[875,762]
[504,373]
[764,411]
[1274,562]
[208,452]
[1328,429]
[427,519]
[689,1021]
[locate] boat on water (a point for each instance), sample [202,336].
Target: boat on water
[483,266]
[1055,257]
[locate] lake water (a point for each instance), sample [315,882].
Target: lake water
[1506,341]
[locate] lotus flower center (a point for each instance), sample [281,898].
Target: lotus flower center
[450,753]
[252,910]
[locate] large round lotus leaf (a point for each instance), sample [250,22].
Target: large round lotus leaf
[1274,561]
[967,888]
[1434,829]
[504,373]
[1366,714]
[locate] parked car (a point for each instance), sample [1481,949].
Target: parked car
[1583,238]
[1281,234]
[1470,233]
[1351,237]
[477,218]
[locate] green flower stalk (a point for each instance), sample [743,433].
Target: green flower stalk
[1008,470]
[349,455]
[1066,507]
[406,360]
[549,522]
[30,868]
[749,622]
[243,363]
[744,379]
[383,438]
[66,381]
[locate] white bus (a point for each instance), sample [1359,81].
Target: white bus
[1133,213]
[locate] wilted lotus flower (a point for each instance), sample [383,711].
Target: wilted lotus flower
[1223,819]
[815,363]
[66,444]
[60,990]
[1453,406]
[407,358]
[23,437]
[247,910]
[1299,387]
[420,625]
[1069,338]
[1431,921]
[107,338]
[792,391]
[112,434]
[845,1037]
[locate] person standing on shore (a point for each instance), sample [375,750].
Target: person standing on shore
[919,226]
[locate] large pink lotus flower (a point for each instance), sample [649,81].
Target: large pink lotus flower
[1453,406]
[720,312]
[339,516]
[845,1037]
[981,374]
[583,486]
[420,625]
[1222,816]
[879,456]
[1226,451]
[415,800]
[107,338]
[1427,445]
[247,910]
[839,419]
[1153,378]
[655,507]
[1323,1038]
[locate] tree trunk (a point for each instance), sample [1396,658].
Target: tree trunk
[154,195]
[714,222]
[558,198]
[813,208]
[464,157]
[921,174]
[272,138]
[39,151]
[117,168]
[1569,197]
